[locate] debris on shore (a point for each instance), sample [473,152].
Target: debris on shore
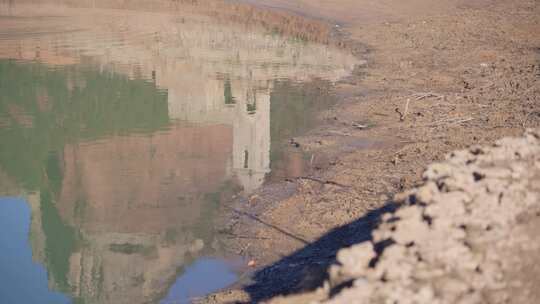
[467,235]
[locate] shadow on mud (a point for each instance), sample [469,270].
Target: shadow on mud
[305,269]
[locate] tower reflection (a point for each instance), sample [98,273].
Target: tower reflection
[126,129]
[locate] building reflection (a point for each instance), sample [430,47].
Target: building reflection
[143,123]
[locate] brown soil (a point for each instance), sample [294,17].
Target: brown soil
[438,76]
[468,235]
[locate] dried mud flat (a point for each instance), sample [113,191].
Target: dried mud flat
[468,235]
[434,79]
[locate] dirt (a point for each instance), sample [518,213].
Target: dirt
[468,235]
[436,76]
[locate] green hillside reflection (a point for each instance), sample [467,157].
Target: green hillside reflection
[49,107]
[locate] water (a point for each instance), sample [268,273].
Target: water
[200,278]
[123,132]
[21,280]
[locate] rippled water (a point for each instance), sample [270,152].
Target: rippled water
[122,133]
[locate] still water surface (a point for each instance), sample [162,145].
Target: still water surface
[122,133]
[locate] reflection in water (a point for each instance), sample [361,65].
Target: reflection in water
[125,130]
[21,281]
[199,279]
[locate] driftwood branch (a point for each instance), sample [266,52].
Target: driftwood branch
[324,182]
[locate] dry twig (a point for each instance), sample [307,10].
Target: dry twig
[405,112]
[420,96]
[450,121]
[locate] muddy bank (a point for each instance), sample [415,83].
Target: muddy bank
[435,80]
[466,236]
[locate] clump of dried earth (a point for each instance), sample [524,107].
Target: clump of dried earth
[468,235]
[435,76]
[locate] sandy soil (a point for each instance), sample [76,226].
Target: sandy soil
[438,76]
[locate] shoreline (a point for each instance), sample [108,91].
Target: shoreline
[430,85]
[433,77]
